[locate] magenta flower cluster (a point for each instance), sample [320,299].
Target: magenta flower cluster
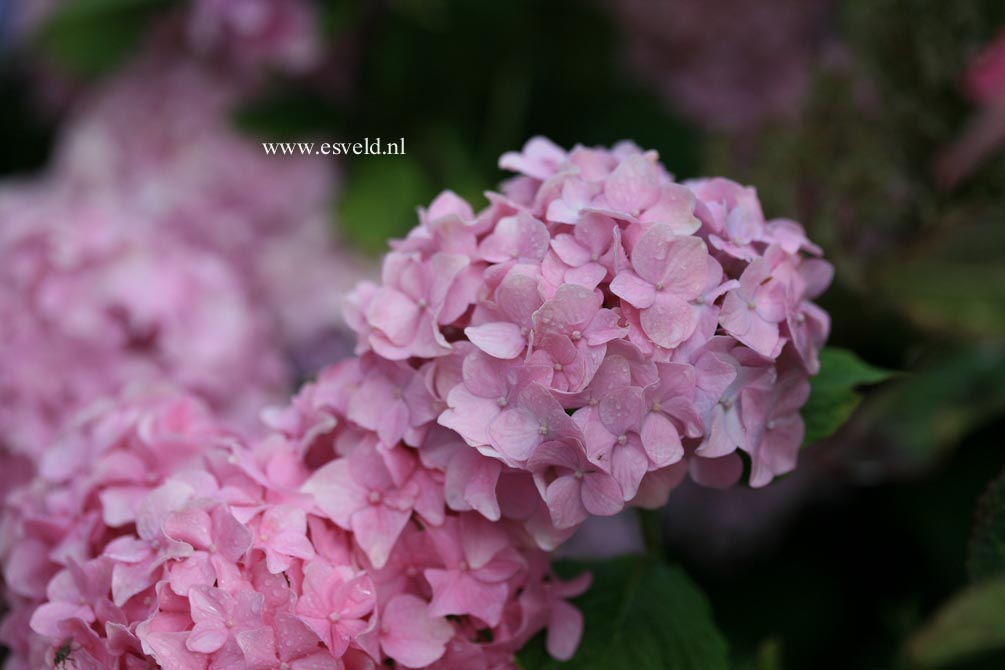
[152,537]
[592,336]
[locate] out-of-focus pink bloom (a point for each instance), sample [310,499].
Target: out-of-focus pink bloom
[984,84]
[97,304]
[729,66]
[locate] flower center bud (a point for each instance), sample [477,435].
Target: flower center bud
[543,429]
[800,317]
[374,497]
[622,438]
[726,403]
[660,286]
[595,257]
[700,300]
[770,425]
[576,335]
[656,407]
[422,303]
[334,616]
[501,401]
[229,623]
[751,305]
[558,367]
[578,474]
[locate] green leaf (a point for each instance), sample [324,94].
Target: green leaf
[833,397]
[946,398]
[971,624]
[380,199]
[90,37]
[987,545]
[641,614]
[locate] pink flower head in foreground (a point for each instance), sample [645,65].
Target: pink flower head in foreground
[581,344]
[153,538]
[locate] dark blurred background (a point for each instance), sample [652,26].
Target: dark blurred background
[878,124]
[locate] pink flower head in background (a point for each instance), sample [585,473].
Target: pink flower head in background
[159,137]
[595,333]
[152,537]
[984,134]
[95,302]
[729,65]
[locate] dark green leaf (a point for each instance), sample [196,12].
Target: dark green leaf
[90,37]
[640,615]
[971,624]
[987,546]
[944,399]
[833,397]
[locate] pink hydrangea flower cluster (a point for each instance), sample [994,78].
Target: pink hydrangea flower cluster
[730,65]
[253,33]
[594,334]
[160,137]
[243,35]
[153,538]
[93,304]
[163,245]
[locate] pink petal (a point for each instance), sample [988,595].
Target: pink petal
[170,652]
[669,321]
[336,492]
[661,440]
[717,473]
[411,636]
[499,339]
[207,637]
[633,186]
[633,289]
[377,529]
[601,494]
[565,502]
[565,630]
[515,433]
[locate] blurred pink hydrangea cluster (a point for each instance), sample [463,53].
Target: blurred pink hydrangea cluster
[94,304]
[162,245]
[152,537]
[161,137]
[592,336]
[247,35]
[731,64]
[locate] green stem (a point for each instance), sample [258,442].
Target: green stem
[652,531]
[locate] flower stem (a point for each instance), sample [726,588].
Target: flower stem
[652,531]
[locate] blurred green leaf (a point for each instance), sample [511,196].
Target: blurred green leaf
[962,298]
[944,399]
[380,199]
[641,614]
[987,546]
[295,117]
[833,397]
[972,623]
[90,37]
